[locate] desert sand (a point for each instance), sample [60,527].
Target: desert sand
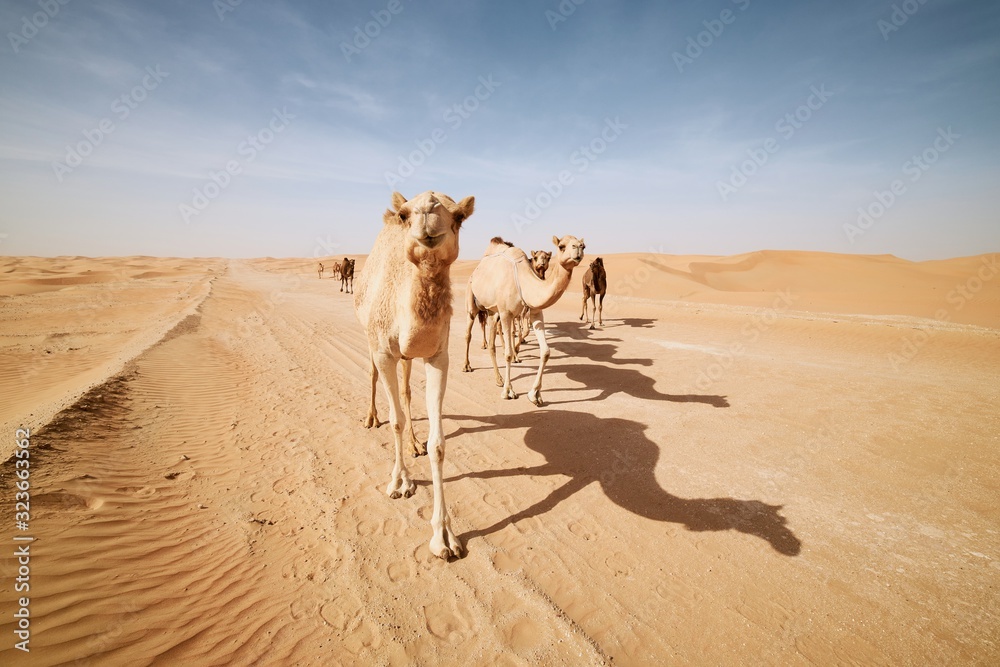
[779,458]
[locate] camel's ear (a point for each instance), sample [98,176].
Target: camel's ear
[582,244]
[464,209]
[555,240]
[398,200]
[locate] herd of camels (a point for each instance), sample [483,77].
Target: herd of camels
[404,302]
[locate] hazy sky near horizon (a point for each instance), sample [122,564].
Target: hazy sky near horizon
[250,128]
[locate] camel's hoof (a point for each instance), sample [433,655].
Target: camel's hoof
[446,550]
[419,450]
[467,368]
[592,327]
[401,490]
[484,347]
[508,394]
[499,381]
[536,399]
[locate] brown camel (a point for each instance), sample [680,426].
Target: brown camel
[347,276]
[321,270]
[595,284]
[404,304]
[504,284]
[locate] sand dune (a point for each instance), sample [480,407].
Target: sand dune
[774,458]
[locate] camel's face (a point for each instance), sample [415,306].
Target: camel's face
[433,220]
[540,260]
[597,264]
[570,251]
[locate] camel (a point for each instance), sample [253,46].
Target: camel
[321,270]
[539,263]
[595,283]
[403,301]
[335,269]
[347,276]
[504,284]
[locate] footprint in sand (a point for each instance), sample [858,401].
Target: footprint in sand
[584,528]
[181,476]
[524,635]
[66,501]
[618,564]
[347,617]
[401,570]
[446,621]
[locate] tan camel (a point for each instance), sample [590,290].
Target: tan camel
[595,284]
[539,263]
[504,284]
[335,269]
[321,270]
[404,304]
[347,276]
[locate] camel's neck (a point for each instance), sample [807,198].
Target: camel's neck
[431,292]
[540,294]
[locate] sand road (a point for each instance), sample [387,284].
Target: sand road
[708,483]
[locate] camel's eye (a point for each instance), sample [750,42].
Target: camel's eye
[561,248]
[403,215]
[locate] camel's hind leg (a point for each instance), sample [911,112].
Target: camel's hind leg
[372,418]
[593,307]
[444,543]
[538,325]
[600,307]
[583,313]
[507,327]
[491,335]
[416,446]
[400,485]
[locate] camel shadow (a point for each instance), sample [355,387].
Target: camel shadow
[603,373]
[617,454]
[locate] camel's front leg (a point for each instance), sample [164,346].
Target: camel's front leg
[507,329]
[400,484]
[443,544]
[600,307]
[583,313]
[593,307]
[372,418]
[416,447]
[538,325]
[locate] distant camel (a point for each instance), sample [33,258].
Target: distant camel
[504,284]
[595,284]
[347,276]
[321,270]
[335,269]
[404,304]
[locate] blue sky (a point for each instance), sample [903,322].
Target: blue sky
[258,128]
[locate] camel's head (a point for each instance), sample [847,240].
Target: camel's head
[540,261]
[597,264]
[570,251]
[433,220]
